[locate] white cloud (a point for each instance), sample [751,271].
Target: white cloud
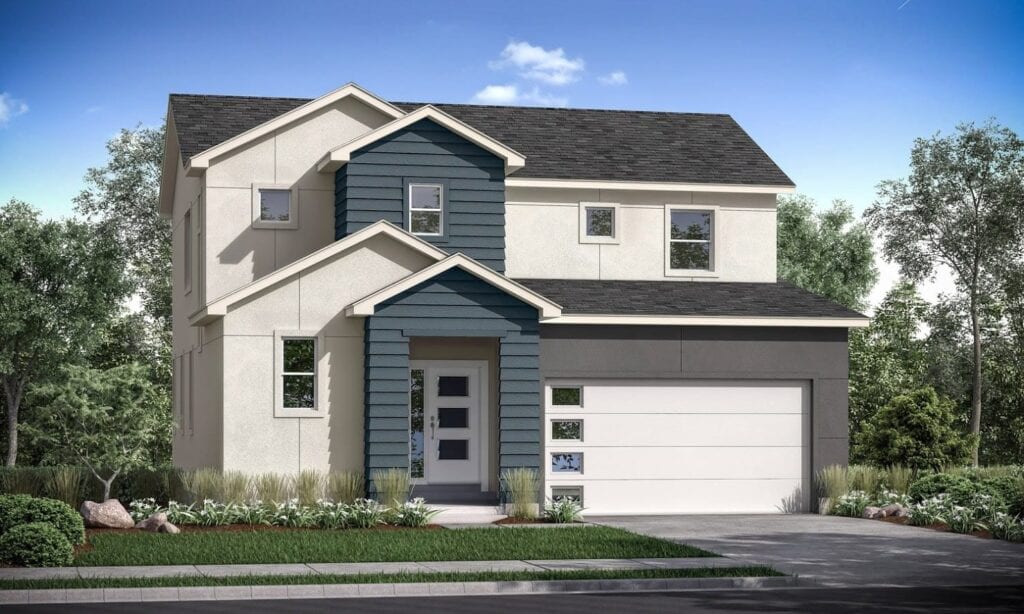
[511,94]
[10,108]
[617,77]
[536,63]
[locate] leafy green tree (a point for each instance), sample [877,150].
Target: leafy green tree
[918,429]
[961,208]
[107,420]
[827,252]
[60,282]
[888,357]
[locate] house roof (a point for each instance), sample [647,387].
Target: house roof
[689,299]
[558,143]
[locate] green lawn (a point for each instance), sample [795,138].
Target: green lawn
[482,576]
[353,545]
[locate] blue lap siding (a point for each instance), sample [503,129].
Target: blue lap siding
[454,303]
[372,186]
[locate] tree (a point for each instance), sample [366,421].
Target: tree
[918,429]
[124,194]
[104,419]
[827,252]
[888,357]
[962,207]
[60,282]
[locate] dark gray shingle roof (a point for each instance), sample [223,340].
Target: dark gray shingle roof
[608,297]
[558,143]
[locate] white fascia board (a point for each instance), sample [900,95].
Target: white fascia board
[368,305]
[219,306]
[201,161]
[340,156]
[650,186]
[709,321]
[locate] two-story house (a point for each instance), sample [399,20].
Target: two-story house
[458,290]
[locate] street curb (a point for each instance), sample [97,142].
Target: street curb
[421,589]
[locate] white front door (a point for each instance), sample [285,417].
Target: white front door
[448,412]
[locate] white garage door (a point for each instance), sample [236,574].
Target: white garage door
[649,447]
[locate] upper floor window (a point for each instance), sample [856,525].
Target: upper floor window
[186,229]
[274,206]
[599,223]
[426,209]
[690,240]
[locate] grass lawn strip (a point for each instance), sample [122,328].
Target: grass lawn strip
[359,546]
[401,578]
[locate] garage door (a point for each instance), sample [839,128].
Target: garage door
[635,447]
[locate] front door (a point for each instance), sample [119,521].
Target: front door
[447,411]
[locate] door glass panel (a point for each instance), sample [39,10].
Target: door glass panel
[452,417]
[453,449]
[566,462]
[453,386]
[416,424]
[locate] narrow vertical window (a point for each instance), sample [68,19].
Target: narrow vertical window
[416,442]
[298,375]
[186,226]
[426,213]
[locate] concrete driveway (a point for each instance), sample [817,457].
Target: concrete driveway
[837,551]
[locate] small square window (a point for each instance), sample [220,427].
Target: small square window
[426,209]
[275,205]
[567,430]
[571,396]
[567,462]
[572,493]
[600,222]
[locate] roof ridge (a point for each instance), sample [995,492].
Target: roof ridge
[236,96]
[547,108]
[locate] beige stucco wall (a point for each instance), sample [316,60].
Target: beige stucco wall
[433,348]
[312,302]
[542,235]
[236,252]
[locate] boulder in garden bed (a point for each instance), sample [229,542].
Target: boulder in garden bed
[153,523]
[107,515]
[895,509]
[873,512]
[169,528]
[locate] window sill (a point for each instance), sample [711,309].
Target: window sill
[282,412]
[262,225]
[586,239]
[691,273]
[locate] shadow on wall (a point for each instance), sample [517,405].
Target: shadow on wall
[794,503]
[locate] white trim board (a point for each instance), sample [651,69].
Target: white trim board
[201,161]
[368,305]
[596,184]
[339,156]
[669,320]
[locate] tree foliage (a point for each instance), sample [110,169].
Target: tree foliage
[961,208]
[919,429]
[827,252]
[108,420]
[60,282]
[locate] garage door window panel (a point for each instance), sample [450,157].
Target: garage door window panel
[567,396]
[567,462]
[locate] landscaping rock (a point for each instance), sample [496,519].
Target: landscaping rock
[107,515]
[873,512]
[894,509]
[167,527]
[153,523]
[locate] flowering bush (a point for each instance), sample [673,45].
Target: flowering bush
[414,513]
[366,513]
[563,510]
[852,504]
[141,509]
[888,497]
[929,511]
[1005,526]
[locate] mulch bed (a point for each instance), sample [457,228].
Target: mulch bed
[938,526]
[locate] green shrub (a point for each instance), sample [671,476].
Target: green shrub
[522,489]
[308,485]
[22,509]
[392,486]
[563,511]
[36,544]
[1007,493]
[851,504]
[345,486]
[899,478]
[234,487]
[932,485]
[832,482]
[271,488]
[919,430]
[866,479]
[66,484]
[23,480]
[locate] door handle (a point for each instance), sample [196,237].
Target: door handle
[432,426]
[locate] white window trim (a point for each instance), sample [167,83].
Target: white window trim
[439,210]
[319,388]
[551,429]
[712,271]
[616,223]
[293,207]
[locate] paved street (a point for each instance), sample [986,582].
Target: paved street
[925,600]
[838,551]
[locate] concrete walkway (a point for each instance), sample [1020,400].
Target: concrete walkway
[312,569]
[834,551]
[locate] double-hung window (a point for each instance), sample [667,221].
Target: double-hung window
[690,237]
[426,209]
[297,386]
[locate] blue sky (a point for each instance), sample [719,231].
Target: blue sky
[835,92]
